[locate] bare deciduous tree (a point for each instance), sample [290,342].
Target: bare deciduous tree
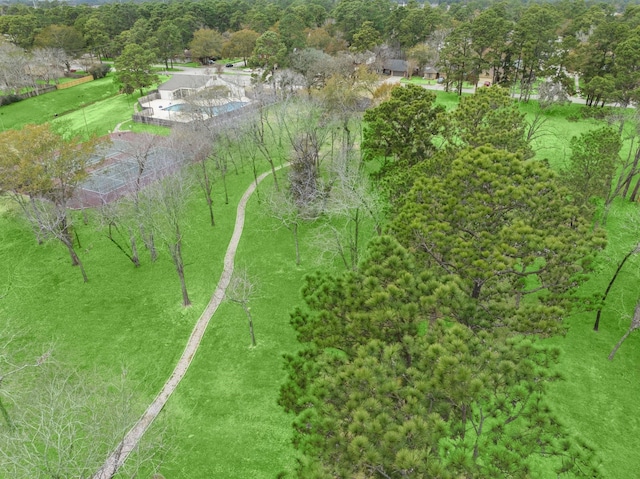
[13,65]
[142,151]
[635,250]
[65,422]
[265,136]
[241,290]
[115,217]
[47,64]
[307,130]
[163,204]
[54,223]
[629,169]
[351,205]
[283,207]
[10,367]
[635,324]
[344,96]
[42,169]
[197,141]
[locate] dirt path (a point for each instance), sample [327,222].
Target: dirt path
[131,439]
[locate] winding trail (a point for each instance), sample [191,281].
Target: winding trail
[131,439]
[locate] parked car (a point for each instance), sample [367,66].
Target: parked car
[229,65]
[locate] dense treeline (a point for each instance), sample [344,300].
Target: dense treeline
[513,43]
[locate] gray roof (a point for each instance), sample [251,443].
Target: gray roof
[430,70]
[185,81]
[396,65]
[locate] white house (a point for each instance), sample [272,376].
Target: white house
[180,86]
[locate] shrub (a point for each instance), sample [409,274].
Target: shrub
[598,113]
[99,70]
[9,99]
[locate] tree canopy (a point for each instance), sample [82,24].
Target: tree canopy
[134,68]
[376,396]
[408,127]
[593,162]
[206,44]
[507,230]
[491,117]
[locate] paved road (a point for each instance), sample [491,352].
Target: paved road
[574,99]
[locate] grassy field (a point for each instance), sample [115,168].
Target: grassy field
[224,418]
[132,317]
[599,396]
[226,407]
[92,107]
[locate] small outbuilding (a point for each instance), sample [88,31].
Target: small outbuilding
[396,68]
[430,73]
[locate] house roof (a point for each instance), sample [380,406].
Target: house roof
[396,65]
[177,82]
[430,70]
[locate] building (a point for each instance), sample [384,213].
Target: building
[180,86]
[396,68]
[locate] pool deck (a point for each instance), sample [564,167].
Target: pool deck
[159,112]
[158,107]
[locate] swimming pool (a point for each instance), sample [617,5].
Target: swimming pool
[209,110]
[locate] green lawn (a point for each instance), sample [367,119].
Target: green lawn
[599,396]
[226,407]
[92,107]
[224,418]
[133,318]
[53,105]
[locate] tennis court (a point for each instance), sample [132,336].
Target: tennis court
[130,160]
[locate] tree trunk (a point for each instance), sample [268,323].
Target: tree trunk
[624,181]
[253,336]
[634,195]
[340,247]
[635,250]
[212,218]
[149,243]
[477,287]
[75,260]
[224,185]
[133,257]
[134,250]
[207,187]
[65,237]
[354,242]
[294,230]
[635,324]
[255,171]
[176,256]
[624,178]
[275,177]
